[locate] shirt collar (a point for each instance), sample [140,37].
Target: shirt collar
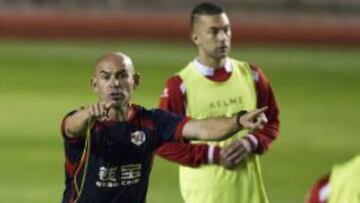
[209,71]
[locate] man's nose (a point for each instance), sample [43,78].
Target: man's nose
[115,82]
[222,36]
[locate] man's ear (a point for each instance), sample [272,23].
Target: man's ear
[93,83]
[136,80]
[194,38]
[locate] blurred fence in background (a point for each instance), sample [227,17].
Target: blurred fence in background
[336,6]
[270,21]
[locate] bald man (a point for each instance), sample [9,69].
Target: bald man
[109,145]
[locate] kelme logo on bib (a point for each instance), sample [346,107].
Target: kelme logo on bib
[138,137]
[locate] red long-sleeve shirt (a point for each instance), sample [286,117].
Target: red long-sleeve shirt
[174,99]
[319,192]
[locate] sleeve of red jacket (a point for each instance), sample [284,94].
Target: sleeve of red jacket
[185,153]
[265,97]
[319,193]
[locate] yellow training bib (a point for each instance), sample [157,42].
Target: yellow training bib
[206,98]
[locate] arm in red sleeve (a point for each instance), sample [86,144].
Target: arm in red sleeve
[173,99]
[319,193]
[265,97]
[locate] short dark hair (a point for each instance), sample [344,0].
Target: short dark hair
[205,8]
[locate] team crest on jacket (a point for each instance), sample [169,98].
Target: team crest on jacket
[138,137]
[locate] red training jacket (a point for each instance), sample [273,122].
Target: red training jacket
[174,99]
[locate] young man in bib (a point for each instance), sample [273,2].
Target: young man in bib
[213,84]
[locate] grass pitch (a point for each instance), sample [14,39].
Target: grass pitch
[317,89]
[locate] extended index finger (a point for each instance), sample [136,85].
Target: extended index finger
[108,105]
[258,112]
